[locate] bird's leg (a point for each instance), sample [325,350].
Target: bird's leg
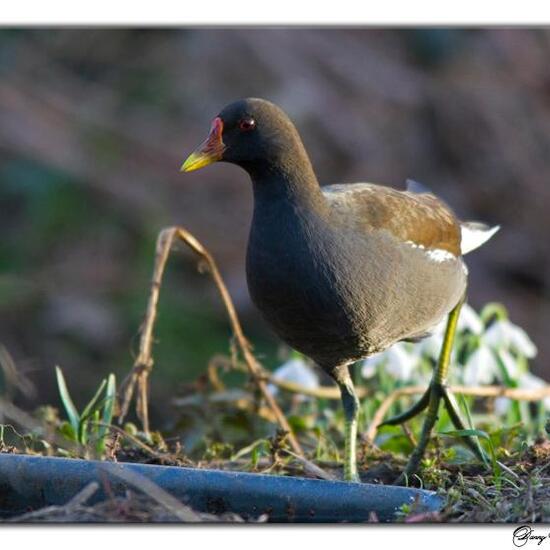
[437,391]
[351,410]
[431,418]
[416,409]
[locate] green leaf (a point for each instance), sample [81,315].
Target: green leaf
[67,431]
[70,409]
[256,445]
[484,435]
[471,426]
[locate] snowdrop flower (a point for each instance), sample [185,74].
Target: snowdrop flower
[370,365]
[502,404]
[527,382]
[509,363]
[497,343]
[503,333]
[469,320]
[496,351]
[481,367]
[298,372]
[396,360]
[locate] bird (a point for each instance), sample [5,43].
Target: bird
[343,271]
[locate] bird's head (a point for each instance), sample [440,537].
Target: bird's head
[252,133]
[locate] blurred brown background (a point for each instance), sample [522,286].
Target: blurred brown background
[94,125]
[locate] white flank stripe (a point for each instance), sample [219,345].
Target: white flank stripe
[435,254]
[415,245]
[438,255]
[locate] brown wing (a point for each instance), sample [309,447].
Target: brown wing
[420,218]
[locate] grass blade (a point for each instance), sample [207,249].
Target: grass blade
[92,405]
[70,409]
[471,427]
[108,411]
[88,411]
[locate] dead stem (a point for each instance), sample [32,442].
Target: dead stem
[144,361]
[135,441]
[332,392]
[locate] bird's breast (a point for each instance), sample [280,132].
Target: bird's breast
[296,276]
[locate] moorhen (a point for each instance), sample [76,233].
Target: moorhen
[344,271]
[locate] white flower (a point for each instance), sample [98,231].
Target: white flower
[469,320]
[502,404]
[397,361]
[481,367]
[496,349]
[370,365]
[528,381]
[503,333]
[496,345]
[509,363]
[296,371]
[531,382]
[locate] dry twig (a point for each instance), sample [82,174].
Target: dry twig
[144,361]
[134,440]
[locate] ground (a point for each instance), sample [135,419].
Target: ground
[518,491]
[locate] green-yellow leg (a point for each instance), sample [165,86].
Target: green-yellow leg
[351,411]
[436,393]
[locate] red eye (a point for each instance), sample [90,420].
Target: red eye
[247,124]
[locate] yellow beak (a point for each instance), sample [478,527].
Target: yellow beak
[196,160]
[209,151]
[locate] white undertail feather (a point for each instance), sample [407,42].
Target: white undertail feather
[474,234]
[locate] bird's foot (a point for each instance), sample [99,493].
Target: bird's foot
[431,400]
[415,410]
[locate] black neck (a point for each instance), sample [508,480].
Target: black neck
[293,182]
